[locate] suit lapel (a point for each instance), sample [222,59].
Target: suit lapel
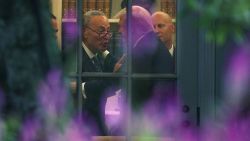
[87,64]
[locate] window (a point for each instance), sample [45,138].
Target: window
[146,82]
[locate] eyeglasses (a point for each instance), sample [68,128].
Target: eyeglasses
[102,32]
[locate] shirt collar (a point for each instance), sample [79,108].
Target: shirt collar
[171,50]
[89,53]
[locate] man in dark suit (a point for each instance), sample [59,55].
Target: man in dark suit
[96,58]
[149,56]
[148,53]
[164,29]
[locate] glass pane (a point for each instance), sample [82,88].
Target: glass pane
[69,45]
[152,36]
[155,107]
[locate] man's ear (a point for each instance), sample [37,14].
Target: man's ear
[172,27]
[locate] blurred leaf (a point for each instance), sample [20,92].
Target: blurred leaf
[231,19]
[210,36]
[220,35]
[192,4]
[12,126]
[238,33]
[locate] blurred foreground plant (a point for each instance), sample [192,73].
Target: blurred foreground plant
[223,18]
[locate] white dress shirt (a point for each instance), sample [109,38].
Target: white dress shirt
[171,50]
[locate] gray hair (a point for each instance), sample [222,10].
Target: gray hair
[88,15]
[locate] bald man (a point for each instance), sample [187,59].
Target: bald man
[164,28]
[141,25]
[150,56]
[148,53]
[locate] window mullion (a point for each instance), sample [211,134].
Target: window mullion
[79,55]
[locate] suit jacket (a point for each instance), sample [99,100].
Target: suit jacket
[96,90]
[149,56]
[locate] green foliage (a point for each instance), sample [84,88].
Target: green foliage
[223,18]
[10,130]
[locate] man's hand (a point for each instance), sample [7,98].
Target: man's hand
[119,63]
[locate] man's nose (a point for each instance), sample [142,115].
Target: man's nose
[107,36]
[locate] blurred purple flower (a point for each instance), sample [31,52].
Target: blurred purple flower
[238,75]
[31,130]
[75,130]
[71,29]
[52,93]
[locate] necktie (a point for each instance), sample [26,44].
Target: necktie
[97,64]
